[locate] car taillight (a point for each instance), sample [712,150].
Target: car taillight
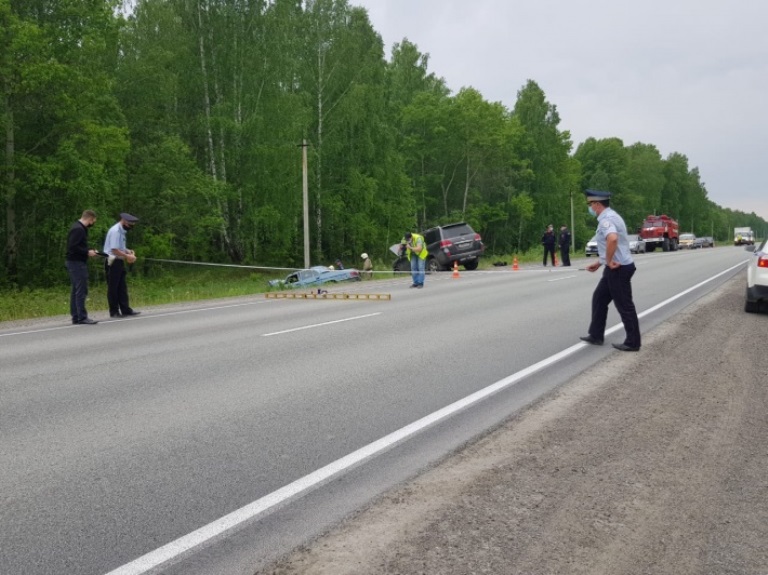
[762,261]
[445,243]
[478,238]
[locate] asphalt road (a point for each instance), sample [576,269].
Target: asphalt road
[121,438]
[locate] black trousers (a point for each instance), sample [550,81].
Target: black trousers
[615,286]
[117,289]
[551,251]
[78,277]
[565,255]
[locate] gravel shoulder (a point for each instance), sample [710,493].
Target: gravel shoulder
[652,462]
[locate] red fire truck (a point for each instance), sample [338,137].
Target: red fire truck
[660,231]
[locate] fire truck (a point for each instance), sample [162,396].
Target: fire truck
[660,231]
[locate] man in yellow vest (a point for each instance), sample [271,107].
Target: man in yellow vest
[416,252]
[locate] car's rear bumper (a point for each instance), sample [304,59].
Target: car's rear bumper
[447,260]
[757,293]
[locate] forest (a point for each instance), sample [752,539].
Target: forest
[191,115]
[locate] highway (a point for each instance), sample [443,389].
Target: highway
[213,439]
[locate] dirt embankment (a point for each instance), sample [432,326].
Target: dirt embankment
[655,462]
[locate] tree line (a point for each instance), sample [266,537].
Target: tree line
[190,114]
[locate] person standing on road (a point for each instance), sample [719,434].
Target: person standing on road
[367,266]
[616,284]
[118,256]
[416,252]
[548,241]
[565,246]
[76,261]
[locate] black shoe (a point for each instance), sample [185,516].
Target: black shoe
[75,321]
[414,285]
[87,321]
[625,347]
[132,312]
[591,340]
[115,315]
[420,286]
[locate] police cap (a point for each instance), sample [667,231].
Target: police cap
[597,195]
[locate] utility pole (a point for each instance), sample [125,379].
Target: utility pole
[305,200]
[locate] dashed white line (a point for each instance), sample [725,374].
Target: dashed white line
[315,325]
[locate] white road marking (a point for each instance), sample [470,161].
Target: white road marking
[560,279]
[187,543]
[314,325]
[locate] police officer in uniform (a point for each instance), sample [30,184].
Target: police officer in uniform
[118,257]
[548,241]
[565,246]
[616,284]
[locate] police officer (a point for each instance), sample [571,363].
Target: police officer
[616,284]
[565,246]
[416,252]
[548,241]
[118,257]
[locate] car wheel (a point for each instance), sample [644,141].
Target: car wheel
[433,265]
[471,265]
[751,306]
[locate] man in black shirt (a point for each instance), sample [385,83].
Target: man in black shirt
[78,253]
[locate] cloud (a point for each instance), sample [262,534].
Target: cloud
[687,76]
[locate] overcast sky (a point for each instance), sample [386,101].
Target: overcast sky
[689,76]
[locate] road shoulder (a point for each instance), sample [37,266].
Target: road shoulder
[645,463]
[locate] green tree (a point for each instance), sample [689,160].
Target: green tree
[65,132]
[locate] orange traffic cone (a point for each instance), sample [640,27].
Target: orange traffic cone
[456,269]
[514,264]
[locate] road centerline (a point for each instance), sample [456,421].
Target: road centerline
[316,325]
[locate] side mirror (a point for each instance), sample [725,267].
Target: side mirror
[749,248]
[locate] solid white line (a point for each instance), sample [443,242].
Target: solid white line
[563,278]
[250,512]
[314,325]
[689,290]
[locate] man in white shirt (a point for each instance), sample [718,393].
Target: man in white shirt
[118,257]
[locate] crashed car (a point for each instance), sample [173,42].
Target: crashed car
[316,275]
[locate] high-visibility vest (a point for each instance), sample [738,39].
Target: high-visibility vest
[414,239]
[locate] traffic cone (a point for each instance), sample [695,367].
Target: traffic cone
[554,260]
[514,264]
[456,270]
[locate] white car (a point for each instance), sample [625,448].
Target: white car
[591,247]
[636,244]
[757,278]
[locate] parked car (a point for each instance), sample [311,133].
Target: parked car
[446,244]
[708,242]
[591,248]
[636,244]
[757,278]
[698,243]
[687,242]
[316,275]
